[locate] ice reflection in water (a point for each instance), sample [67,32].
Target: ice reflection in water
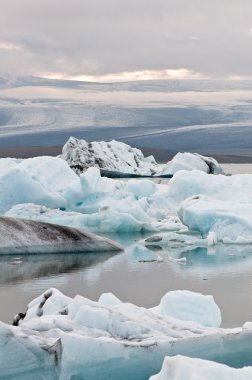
[135,276]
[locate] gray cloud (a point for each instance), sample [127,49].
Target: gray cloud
[96,37]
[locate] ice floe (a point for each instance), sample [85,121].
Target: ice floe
[45,189]
[184,368]
[226,221]
[110,339]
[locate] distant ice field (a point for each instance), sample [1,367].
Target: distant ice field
[206,116]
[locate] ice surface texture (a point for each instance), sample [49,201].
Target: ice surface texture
[110,339]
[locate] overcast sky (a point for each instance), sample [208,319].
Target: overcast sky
[95,38]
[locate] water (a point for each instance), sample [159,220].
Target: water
[133,276]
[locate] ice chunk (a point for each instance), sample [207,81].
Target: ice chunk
[184,368]
[122,341]
[25,356]
[219,220]
[19,236]
[99,222]
[192,161]
[116,156]
[143,188]
[109,299]
[190,306]
[40,180]
[112,156]
[177,239]
[186,184]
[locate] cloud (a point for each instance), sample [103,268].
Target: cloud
[9,46]
[95,38]
[131,76]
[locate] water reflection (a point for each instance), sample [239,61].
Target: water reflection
[26,267]
[135,275]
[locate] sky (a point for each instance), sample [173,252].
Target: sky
[106,40]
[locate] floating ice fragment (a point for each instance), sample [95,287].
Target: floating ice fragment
[190,306]
[184,368]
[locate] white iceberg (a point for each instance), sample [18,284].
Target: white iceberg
[185,184]
[229,221]
[184,368]
[119,157]
[99,222]
[40,180]
[216,207]
[192,161]
[92,340]
[112,156]
[90,201]
[190,306]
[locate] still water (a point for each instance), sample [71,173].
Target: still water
[133,276]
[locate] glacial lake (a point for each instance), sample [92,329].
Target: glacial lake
[223,271]
[134,275]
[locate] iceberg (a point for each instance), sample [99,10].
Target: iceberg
[112,339]
[45,189]
[115,156]
[99,222]
[19,236]
[192,161]
[190,306]
[112,156]
[181,368]
[216,207]
[27,356]
[185,184]
[90,201]
[228,221]
[40,180]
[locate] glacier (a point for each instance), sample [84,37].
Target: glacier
[109,339]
